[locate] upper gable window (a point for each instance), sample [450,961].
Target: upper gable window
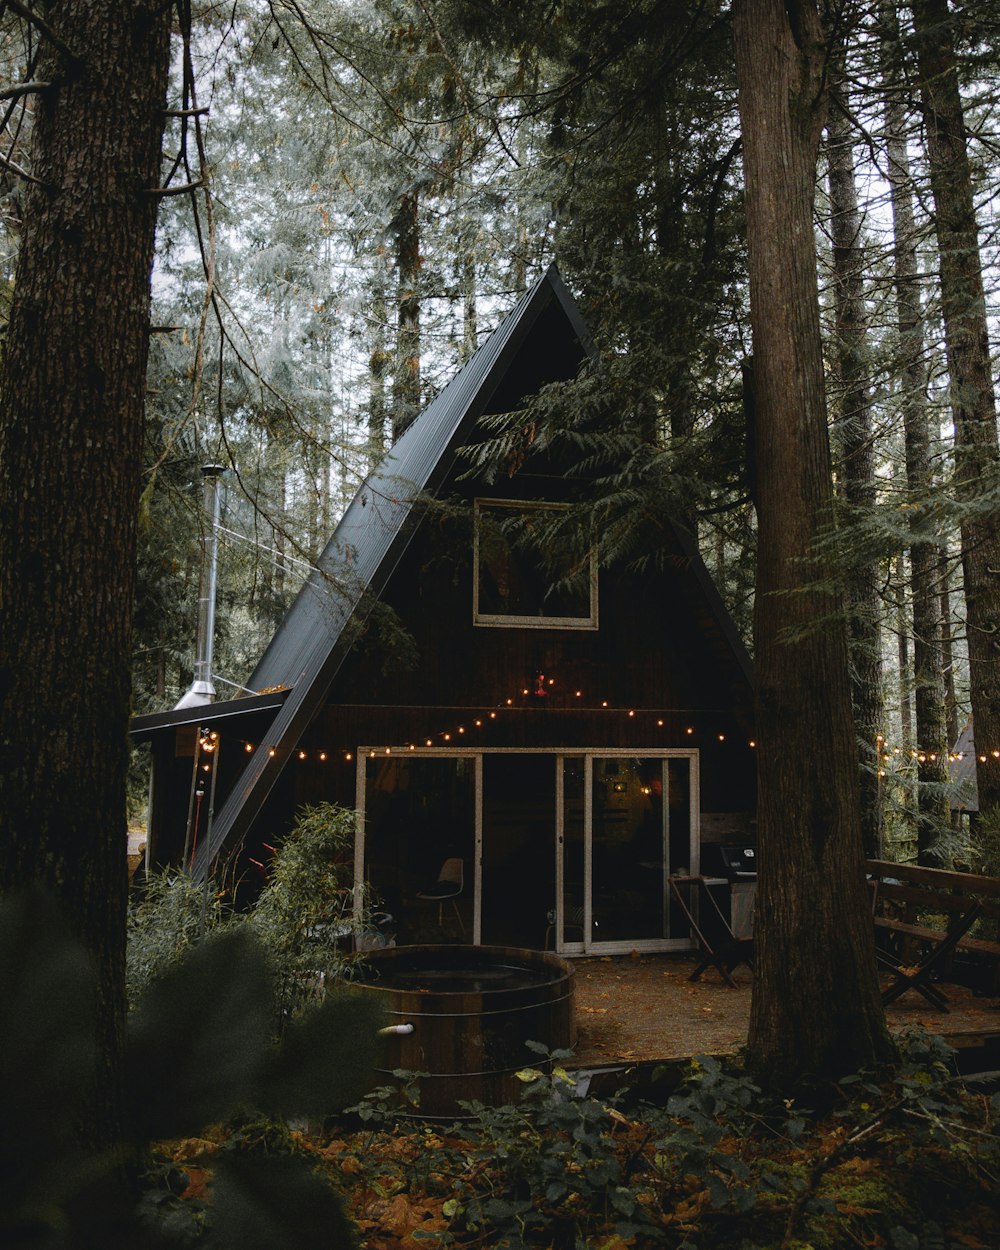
[512,586]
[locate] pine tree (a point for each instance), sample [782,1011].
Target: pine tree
[856,452]
[815,1007]
[963,310]
[932,774]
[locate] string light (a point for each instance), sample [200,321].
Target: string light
[887,754]
[209,741]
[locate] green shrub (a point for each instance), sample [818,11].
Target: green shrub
[304,917]
[172,915]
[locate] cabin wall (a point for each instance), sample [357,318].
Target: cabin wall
[658,673]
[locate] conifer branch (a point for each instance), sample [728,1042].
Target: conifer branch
[23,173]
[183,188]
[24,88]
[42,26]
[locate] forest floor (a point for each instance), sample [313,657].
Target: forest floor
[641,1009]
[911,1162]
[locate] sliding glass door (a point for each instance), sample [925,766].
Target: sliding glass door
[572,852]
[641,829]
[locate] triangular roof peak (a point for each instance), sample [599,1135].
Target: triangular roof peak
[311,642]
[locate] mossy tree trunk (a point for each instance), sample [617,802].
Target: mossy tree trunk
[928,682]
[857,456]
[973,400]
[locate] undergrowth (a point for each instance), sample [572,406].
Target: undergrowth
[906,1162]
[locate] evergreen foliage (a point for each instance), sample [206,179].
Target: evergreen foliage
[199,1051]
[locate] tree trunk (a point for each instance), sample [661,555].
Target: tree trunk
[857,462]
[406,387]
[816,1009]
[947,650]
[932,744]
[379,365]
[963,310]
[907,799]
[470,331]
[71,416]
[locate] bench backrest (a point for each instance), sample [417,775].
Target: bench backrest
[934,889]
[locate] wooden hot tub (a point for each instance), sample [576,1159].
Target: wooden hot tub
[472,1009]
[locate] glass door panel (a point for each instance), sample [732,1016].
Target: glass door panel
[628,850]
[573,860]
[518,888]
[420,816]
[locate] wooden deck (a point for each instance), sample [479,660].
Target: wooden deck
[643,1009]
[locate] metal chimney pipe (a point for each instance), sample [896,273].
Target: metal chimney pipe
[202,689]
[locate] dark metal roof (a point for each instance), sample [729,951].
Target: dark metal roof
[312,641]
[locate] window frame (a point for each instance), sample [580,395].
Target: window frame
[495,620]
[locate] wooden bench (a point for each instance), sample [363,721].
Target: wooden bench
[908,904]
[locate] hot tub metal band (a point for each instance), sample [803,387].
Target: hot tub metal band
[458,1015]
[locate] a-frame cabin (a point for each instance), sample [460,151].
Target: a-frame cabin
[566,751]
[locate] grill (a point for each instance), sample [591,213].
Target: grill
[737,863]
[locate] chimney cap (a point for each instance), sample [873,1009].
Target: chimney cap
[212,470]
